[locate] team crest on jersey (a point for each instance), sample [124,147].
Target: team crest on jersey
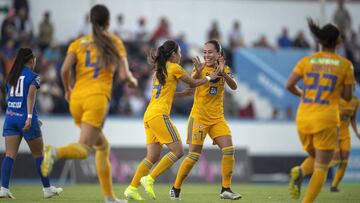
[213,90]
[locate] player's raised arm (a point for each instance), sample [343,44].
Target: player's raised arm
[226,74]
[197,82]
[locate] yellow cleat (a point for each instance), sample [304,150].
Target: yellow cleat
[132,193]
[296,178]
[148,183]
[48,161]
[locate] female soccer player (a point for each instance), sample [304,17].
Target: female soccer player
[22,121]
[341,156]
[207,117]
[327,77]
[159,128]
[96,57]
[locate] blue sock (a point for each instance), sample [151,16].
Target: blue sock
[45,180]
[6,170]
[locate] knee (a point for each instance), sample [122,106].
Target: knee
[193,156]
[179,152]
[153,158]
[228,150]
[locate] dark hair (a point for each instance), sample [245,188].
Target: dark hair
[23,56]
[327,36]
[217,46]
[158,59]
[99,18]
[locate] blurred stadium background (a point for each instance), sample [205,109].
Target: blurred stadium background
[263,40]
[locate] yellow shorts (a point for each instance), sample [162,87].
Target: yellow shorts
[196,131]
[91,110]
[161,130]
[323,140]
[344,141]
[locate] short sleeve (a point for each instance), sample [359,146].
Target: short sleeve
[228,71]
[349,76]
[120,47]
[73,47]
[299,68]
[178,71]
[36,81]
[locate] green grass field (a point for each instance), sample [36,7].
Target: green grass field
[191,193]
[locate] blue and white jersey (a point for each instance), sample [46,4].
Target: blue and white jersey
[17,96]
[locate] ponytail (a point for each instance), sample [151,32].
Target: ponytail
[159,58]
[109,55]
[23,56]
[327,36]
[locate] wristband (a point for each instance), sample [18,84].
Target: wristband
[29,116]
[208,78]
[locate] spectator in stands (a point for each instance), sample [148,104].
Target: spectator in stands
[162,32]
[342,18]
[184,46]
[141,32]
[86,27]
[262,42]
[236,38]
[214,32]
[8,28]
[300,41]
[120,30]
[24,26]
[284,41]
[20,4]
[46,32]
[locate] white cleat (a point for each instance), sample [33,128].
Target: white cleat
[5,193]
[230,195]
[114,200]
[52,191]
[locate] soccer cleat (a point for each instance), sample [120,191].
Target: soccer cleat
[334,189]
[132,193]
[228,194]
[52,191]
[5,193]
[48,161]
[174,194]
[114,200]
[148,183]
[296,178]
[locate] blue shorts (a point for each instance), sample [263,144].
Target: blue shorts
[13,126]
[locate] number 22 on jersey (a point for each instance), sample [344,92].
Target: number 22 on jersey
[320,89]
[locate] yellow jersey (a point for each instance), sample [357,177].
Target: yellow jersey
[90,78]
[324,75]
[208,99]
[163,95]
[347,110]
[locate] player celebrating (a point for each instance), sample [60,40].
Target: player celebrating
[207,117]
[159,128]
[22,121]
[96,56]
[327,76]
[341,157]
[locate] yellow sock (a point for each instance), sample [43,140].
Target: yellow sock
[334,163]
[142,170]
[185,168]
[339,173]
[165,163]
[307,166]
[73,151]
[103,169]
[227,165]
[316,182]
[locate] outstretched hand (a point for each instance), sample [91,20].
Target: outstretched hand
[197,64]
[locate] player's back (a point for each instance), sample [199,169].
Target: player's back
[163,95]
[324,75]
[90,77]
[17,96]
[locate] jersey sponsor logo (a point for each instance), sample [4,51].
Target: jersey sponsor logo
[15,105]
[11,113]
[325,61]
